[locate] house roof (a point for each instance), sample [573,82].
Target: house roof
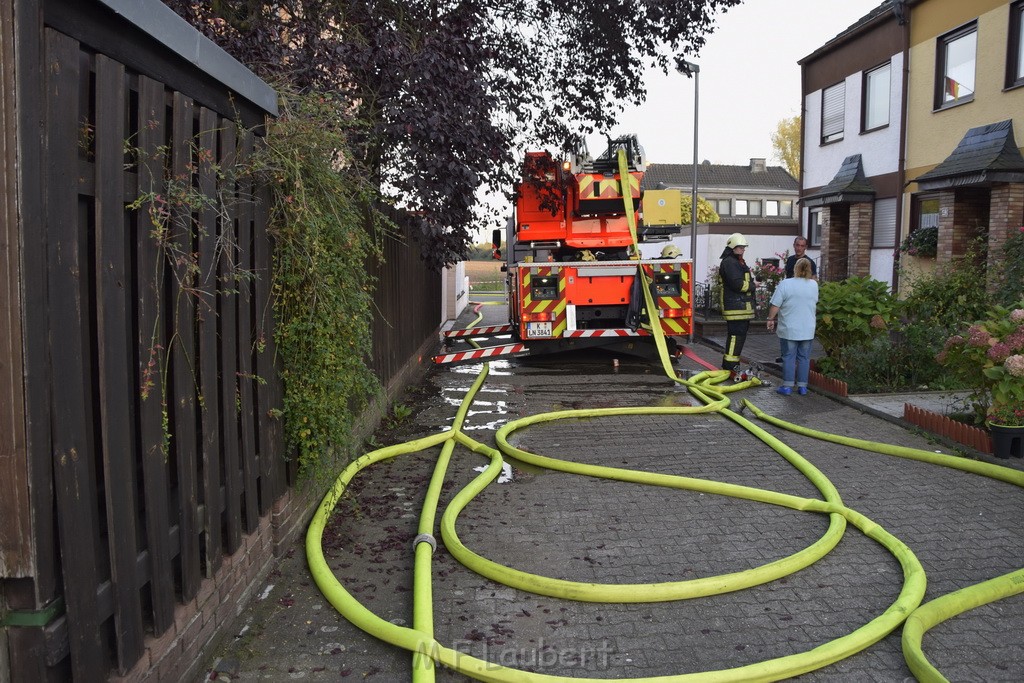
[985,154]
[776,178]
[853,29]
[848,186]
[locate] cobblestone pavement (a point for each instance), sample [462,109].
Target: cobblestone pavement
[963,528]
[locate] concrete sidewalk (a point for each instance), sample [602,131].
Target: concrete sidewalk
[763,349]
[963,528]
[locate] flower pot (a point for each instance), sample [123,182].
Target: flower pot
[1007,441]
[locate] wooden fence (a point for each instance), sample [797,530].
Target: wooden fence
[164,449]
[141,395]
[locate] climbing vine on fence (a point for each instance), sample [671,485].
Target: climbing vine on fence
[173,205]
[325,231]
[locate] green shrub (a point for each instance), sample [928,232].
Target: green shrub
[852,312]
[934,311]
[1009,277]
[901,360]
[989,358]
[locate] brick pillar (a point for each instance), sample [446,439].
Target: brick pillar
[835,241]
[970,219]
[862,216]
[1006,215]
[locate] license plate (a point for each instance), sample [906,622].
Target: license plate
[538,329]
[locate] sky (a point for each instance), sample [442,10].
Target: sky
[749,81]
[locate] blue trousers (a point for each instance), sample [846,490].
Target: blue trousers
[796,362]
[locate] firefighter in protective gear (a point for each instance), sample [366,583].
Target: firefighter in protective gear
[736,297]
[670,251]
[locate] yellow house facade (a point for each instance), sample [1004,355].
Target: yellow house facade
[964,124]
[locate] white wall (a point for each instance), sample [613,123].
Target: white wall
[710,248]
[454,292]
[879,149]
[881,265]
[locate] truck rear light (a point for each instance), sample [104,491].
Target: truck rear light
[673,313]
[537,317]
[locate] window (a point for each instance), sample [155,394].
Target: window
[814,227]
[1015,47]
[925,212]
[774,207]
[833,112]
[723,207]
[748,207]
[884,233]
[876,98]
[954,66]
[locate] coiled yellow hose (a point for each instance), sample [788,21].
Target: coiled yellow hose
[426,650]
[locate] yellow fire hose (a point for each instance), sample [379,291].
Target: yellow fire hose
[947,606]
[426,650]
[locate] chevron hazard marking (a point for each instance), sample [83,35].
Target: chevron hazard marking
[479,331]
[475,354]
[580,334]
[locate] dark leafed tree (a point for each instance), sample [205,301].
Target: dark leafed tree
[447,89]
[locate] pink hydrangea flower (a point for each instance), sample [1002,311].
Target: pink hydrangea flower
[1017,315]
[999,352]
[1015,365]
[955,340]
[1016,340]
[978,336]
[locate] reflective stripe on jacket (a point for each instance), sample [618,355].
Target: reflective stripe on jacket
[737,294]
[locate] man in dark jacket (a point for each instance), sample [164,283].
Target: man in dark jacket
[799,252]
[736,299]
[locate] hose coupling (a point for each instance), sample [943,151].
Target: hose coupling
[425,538]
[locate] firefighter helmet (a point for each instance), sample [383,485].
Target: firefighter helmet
[670,251]
[736,240]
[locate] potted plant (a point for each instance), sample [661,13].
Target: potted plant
[923,242]
[989,358]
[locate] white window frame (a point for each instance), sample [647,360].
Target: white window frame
[877,84]
[781,208]
[833,113]
[1015,46]
[955,82]
[814,227]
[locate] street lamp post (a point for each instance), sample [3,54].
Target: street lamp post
[690,69]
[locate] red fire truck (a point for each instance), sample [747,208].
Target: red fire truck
[572,267]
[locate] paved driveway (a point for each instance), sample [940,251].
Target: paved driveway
[963,528]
